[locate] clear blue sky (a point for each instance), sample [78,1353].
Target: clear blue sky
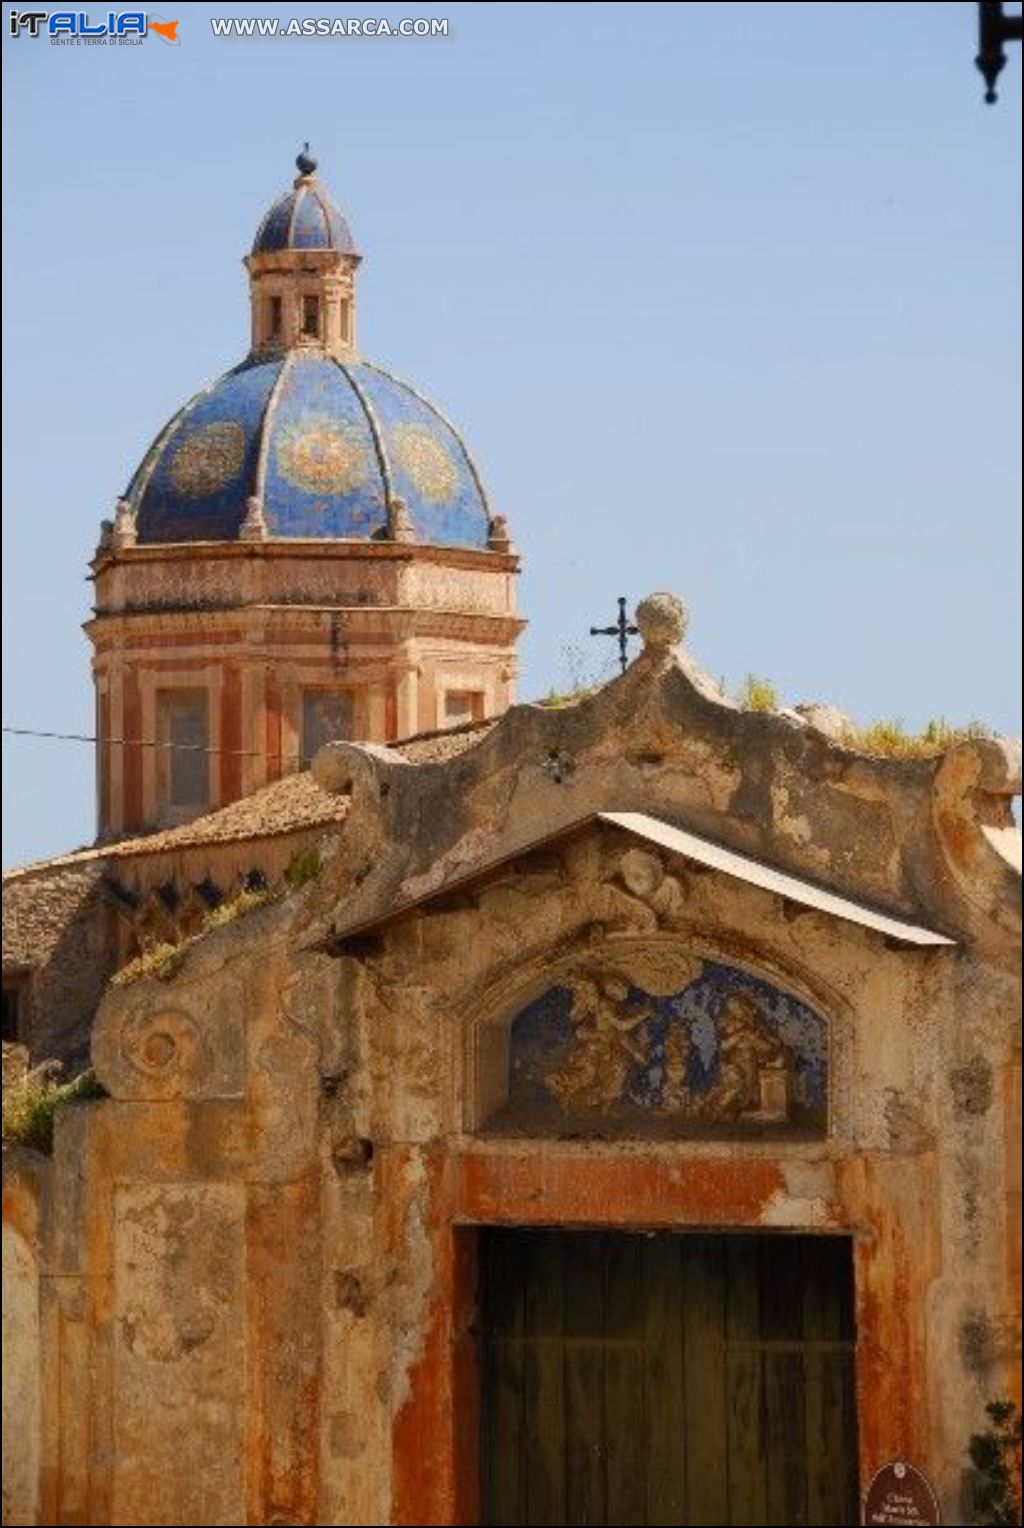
[725,298]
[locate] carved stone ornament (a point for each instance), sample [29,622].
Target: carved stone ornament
[125,533]
[254,526]
[644,876]
[499,537]
[400,521]
[143,1048]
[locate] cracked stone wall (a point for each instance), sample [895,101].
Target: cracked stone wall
[252,1265]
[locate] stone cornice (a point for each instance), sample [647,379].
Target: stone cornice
[296,549]
[232,621]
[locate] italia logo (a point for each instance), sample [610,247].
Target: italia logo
[113,26]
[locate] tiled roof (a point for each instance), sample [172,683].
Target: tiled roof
[435,747]
[42,900]
[288,806]
[37,910]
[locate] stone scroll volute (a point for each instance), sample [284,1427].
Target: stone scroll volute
[152,1044]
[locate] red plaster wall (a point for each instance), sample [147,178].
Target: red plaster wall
[435,1432]
[231,734]
[132,712]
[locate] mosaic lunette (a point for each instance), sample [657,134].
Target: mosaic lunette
[726,1054]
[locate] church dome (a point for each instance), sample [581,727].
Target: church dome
[325,445]
[303,218]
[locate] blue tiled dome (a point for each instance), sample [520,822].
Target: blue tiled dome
[304,218]
[324,444]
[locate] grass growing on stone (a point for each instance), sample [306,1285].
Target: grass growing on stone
[757,694]
[885,739]
[891,740]
[164,961]
[554,700]
[246,901]
[303,869]
[30,1105]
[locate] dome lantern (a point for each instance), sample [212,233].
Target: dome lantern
[302,270]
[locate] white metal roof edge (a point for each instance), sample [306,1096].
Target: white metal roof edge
[689,846]
[716,857]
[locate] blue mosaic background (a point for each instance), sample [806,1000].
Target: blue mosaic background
[303,218]
[542,1037]
[450,511]
[169,510]
[324,474]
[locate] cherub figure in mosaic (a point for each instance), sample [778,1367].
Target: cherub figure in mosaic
[606,1044]
[675,1088]
[753,1065]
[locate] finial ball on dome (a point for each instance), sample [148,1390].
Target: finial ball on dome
[305,163]
[662,619]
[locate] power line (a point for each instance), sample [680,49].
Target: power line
[127,742]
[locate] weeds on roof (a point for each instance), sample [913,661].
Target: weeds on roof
[885,739]
[891,740]
[554,700]
[165,960]
[757,694]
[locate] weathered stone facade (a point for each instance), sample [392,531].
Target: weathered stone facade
[703,992]
[256,1259]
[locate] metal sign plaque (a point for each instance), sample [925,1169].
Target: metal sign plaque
[899,1493]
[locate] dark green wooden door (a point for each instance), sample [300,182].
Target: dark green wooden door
[667,1379]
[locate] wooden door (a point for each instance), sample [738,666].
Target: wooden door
[667,1379]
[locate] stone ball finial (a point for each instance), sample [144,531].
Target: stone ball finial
[662,620]
[305,162]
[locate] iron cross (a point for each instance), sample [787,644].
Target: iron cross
[622,629]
